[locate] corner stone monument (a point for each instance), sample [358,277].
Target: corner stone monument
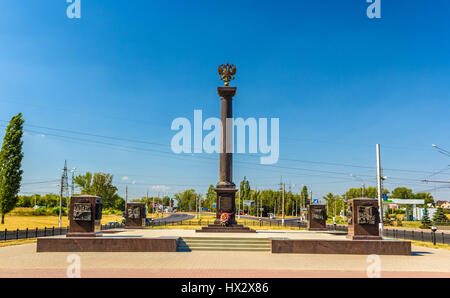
[85,214]
[317,218]
[363,219]
[135,215]
[225,188]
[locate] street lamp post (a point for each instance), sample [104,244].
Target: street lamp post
[441,150]
[434,229]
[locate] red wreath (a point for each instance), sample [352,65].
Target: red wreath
[224,218]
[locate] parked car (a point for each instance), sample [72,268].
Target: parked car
[271,216]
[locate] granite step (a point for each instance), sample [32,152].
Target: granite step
[215,228]
[223,244]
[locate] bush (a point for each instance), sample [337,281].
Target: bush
[110,211]
[398,222]
[439,216]
[426,222]
[55,211]
[31,212]
[387,220]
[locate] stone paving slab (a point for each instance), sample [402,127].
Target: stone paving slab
[22,260]
[208,273]
[290,234]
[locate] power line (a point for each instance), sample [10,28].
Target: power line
[166,152]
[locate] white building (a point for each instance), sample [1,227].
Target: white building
[418,213]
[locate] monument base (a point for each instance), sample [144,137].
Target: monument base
[354,247]
[107,244]
[81,235]
[363,237]
[217,228]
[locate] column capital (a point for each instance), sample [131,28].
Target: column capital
[226,92]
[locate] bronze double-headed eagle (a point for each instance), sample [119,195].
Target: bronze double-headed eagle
[227,72]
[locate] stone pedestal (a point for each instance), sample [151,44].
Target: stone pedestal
[85,214]
[363,219]
[135,215]
[226,203]
[317,218]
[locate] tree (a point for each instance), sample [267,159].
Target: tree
[426,196]
[334,204]
[211,197]
[387,219]
[426,222]
[247,190]
[187,200]
[304,196]
[439,216]
[11,156]
[369,192]
[99,184]
[402,193]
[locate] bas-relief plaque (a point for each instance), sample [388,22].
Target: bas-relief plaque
[82,212]
[317,214]
[367,215]
[134,212]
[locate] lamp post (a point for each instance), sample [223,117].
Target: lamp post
[434,229]
[441,150]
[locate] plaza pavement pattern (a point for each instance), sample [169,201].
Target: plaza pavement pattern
[23,261]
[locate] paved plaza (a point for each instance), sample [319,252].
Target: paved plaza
[23,261]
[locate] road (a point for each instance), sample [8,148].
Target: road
[176,217]
[287,221]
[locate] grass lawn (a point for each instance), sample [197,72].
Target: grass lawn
[17,242]
[13,222]
[429,244]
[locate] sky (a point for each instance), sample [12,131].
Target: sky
[102,91]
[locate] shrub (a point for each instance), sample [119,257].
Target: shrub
[426,222]
[55,211]
[440,217]
[387,220]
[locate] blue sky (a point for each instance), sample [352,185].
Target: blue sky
[338,81]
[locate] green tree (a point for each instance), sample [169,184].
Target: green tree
[334,204]
[402,193]
[369,192]
[304,196]
[426,196]
[187,200]
[439,216]
[99,184]
[247,190]
[387,219]
[211,197]
[11,156]
[426,222]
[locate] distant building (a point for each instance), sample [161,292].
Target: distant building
[443,204]
[394,206]
[418,213]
